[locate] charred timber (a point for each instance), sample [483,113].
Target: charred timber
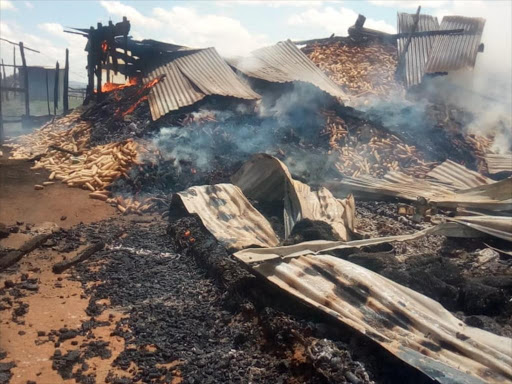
[82,256]
[13,257]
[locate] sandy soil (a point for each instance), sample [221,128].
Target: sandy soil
[20,202]
[59,301]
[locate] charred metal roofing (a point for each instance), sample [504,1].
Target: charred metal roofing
[420,47]
[453,52]
[284,62]
[191,78]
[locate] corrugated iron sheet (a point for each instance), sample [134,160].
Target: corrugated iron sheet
[497,226]
[419,49]
[265,178]
[284,62]
[414,328]
[499,163]
[453,52]
[447,186]
[191,78]
[459,176]
[228,215]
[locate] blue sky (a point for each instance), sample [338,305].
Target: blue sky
[233,27]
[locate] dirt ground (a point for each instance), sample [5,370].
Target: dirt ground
[58,302]
[19,202]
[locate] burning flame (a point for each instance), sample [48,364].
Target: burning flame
[104,46]
[146,86]
[107,87]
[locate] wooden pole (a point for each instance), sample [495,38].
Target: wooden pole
[65,95]
[56,90]
[25,80]
[1,86]
[99,53]
[5,82]
[47,93]
[14,77]
[90,62]
[1,121]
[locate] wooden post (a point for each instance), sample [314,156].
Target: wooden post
[5,82]
[99,53]
[90,62]
[65,101]
[14,77]
[1,121]
[47,93]
[56,90]
[25,79]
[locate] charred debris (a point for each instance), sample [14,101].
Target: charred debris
[323,184]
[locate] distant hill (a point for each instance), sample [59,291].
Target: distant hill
[77,84]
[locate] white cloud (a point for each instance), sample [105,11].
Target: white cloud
[119,9]
[409,4]
[29,5]
[7,5]
[336,21]
[275,3]
[188,27]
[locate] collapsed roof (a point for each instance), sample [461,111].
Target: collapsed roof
[284,63]
[191,78]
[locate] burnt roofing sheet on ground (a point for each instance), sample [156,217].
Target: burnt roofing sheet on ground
[453,52]
[191,78]
[284,62]
[419,48]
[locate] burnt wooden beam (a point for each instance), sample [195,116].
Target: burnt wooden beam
[25,79]
[12,257]
[84,255]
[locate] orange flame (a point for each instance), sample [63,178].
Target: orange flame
[146,86]
[104,46]
[107,87]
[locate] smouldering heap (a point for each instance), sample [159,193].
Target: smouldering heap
[481,146]
[377,155]
[361,70]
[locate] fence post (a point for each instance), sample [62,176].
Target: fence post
[5,82]
[56,90]
[47,93]
[65,101]
[25,79]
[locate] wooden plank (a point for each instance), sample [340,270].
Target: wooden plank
[65,94]
[25,79]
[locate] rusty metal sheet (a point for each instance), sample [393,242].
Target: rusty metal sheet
[497,226]
[453,52]
[192,77]
[228,215]
[420,47]
[449,185]
[457,175]
[174,92]
[411,326]
[284,62]
[267,179]
[497,163]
